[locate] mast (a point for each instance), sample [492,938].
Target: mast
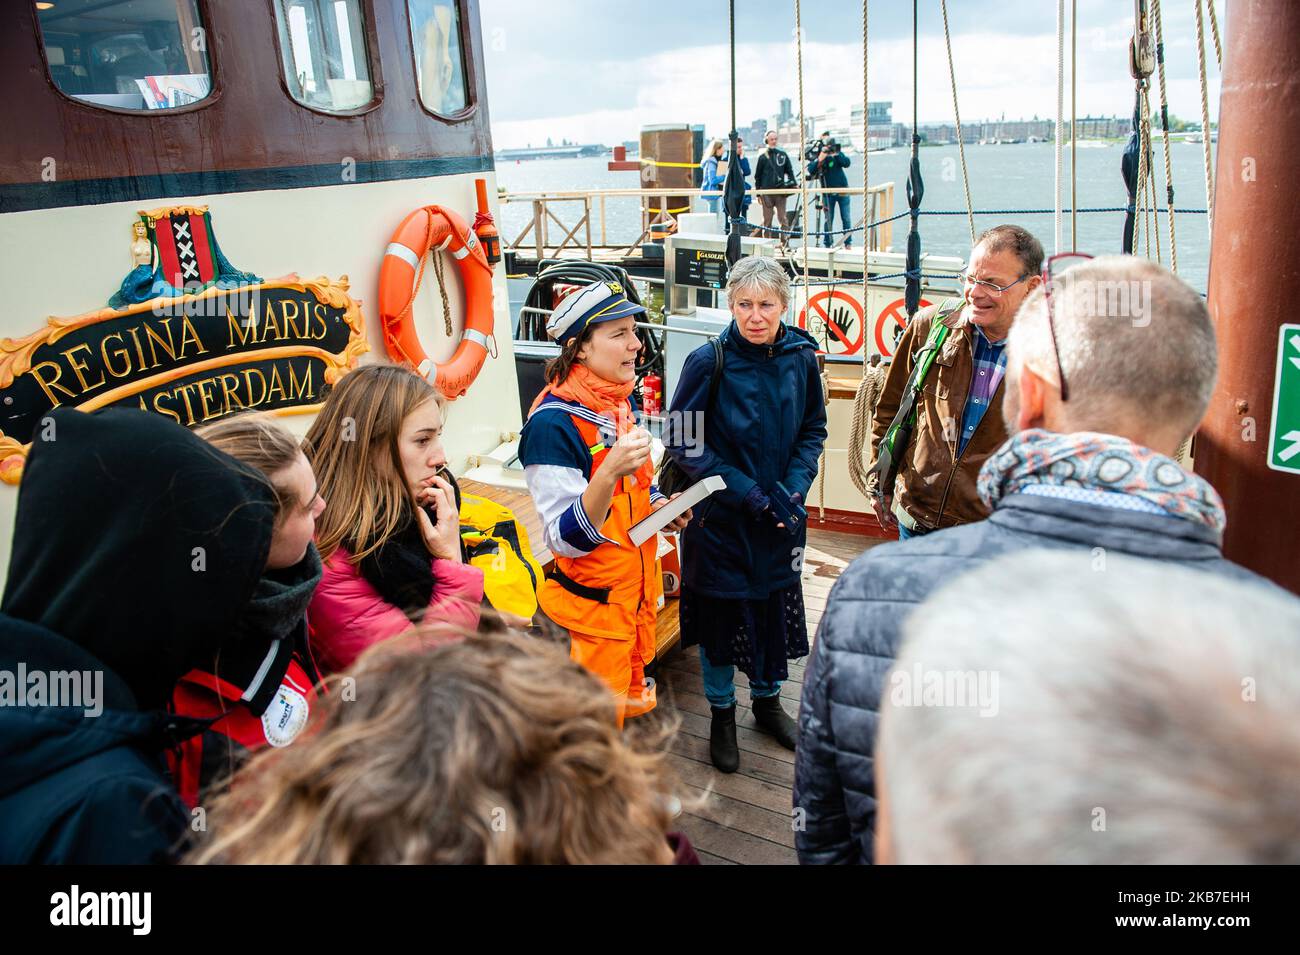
[1254,272]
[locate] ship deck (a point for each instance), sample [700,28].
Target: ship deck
[744,818]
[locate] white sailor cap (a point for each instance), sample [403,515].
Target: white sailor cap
[597,302]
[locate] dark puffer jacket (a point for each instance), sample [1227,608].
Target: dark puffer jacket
[860,634]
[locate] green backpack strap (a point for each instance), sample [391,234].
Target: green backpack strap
[899,433]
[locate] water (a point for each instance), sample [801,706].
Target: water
[1018,176]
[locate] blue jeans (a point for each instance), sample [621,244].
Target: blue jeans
[832,202]
[904,533]
[720,682]
[711,203]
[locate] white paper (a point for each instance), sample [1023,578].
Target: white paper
[643,530]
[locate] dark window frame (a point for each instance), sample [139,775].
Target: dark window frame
[467,62]
[215,86]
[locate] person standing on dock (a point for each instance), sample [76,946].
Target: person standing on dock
[828,169]
[587,464]
[764,425]
[774,170]
[710,180]
[953,435]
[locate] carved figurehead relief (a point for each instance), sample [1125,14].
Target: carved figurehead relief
[187,336]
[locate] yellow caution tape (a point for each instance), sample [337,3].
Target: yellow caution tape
[675,165]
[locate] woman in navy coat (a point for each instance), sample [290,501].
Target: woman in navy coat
[742,600]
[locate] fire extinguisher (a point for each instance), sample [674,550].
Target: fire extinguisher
[652,394]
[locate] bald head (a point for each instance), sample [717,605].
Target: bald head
[1126,712]
[1137,349]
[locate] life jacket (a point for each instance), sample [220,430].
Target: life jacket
[200,761]
[614,590]
[497,543]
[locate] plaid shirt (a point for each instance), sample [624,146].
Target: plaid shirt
[990,366]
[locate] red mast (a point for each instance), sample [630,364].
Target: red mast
[1253,287]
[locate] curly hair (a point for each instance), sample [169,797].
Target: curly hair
[496,749]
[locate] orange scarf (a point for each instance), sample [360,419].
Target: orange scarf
[604,397]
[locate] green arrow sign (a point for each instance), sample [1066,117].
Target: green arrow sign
[1284,437]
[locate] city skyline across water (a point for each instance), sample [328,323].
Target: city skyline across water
[1003,178]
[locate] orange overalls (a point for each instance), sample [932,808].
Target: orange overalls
[608,599]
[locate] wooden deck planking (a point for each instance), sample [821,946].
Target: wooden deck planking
[734,845]
[745,818]
[735,814]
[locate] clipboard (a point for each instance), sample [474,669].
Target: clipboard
[644,529]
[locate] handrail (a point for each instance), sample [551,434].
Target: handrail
[576,194]
[878,202]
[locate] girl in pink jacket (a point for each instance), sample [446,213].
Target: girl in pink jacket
[390,532]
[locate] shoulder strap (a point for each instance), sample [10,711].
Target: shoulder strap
[716,377]
[939,332]
[891,448]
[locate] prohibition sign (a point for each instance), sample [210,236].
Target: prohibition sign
[896,312]
[836,297]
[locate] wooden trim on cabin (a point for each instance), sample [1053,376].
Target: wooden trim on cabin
[850,522]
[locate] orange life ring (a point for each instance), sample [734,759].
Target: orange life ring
[435,228]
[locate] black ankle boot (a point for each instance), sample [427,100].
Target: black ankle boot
[722,740]
[771,718]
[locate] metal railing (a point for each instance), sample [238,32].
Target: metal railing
[577,240]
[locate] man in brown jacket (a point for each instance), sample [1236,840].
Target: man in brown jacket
[958,421]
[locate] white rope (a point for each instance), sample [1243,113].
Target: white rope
[1074,132]
[961,148]
[803,132]
[1151,174]
[1140,216]
[1214,32]
[821,462]
[864,407]
[867,212]
[1164,126]
[1060,113]
[863,402]
[1205,120]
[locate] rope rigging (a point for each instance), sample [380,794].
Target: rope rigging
[961,145]
[1164,130]
[1060,116]
[1205,109]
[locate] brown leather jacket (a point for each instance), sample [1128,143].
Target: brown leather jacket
[936,487]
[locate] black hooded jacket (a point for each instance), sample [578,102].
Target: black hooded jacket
[136,548]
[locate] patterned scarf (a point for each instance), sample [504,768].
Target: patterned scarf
[608,398]
[1099,462]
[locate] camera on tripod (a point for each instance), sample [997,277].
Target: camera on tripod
[813,148]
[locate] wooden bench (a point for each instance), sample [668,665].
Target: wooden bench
[668,630]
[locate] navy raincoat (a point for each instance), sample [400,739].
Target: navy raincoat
[767,425]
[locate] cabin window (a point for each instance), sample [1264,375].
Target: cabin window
[439,55]
[323,47]
[131,54]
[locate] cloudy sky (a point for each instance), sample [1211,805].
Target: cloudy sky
[595,71]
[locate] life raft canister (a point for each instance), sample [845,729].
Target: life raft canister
[433,228]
